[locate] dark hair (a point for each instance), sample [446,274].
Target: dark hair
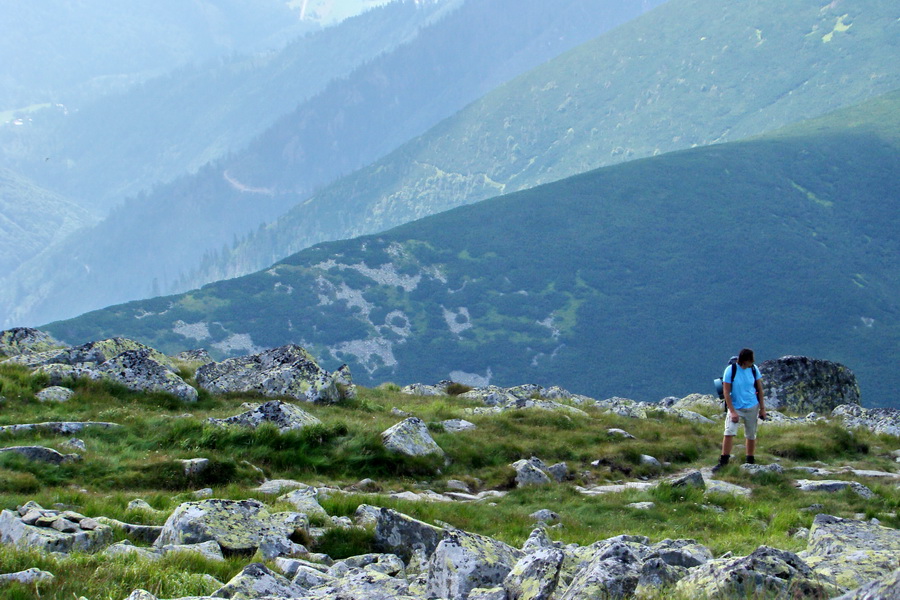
[746,355]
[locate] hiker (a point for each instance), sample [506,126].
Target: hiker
[743,390]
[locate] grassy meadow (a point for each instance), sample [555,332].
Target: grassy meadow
[139,460]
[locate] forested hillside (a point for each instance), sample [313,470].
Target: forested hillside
[636,280]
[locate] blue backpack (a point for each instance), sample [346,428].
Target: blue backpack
[734,365]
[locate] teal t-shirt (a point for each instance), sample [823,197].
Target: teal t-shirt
[743,390]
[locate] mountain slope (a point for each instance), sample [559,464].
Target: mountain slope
[32,218]
[160,236]
[636,280]
[691,72]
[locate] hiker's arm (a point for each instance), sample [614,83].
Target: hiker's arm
[726,391]
[761,397]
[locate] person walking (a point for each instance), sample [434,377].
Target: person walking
[744,401]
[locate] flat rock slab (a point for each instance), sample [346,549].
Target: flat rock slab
[41,454]
[832,486]
[57,427]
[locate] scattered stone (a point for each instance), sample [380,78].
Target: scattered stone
[277,486]
[56,427]
[753,469]
[55,393]
[144,533]
[650,461]
[457,425]
[715,486]
[886,588]
[545,515]
[194,466]
[613,572]
[559,472]
[535,576]
[876,420]
[285,416]
[833,485]
[199,355]
[28,576]
[288,371]
[305,500]
[457,485]
[410,437]
[619,433]
[42,454]
[690,479]
[402,535]
[642,505]
[44,534]
[530,472]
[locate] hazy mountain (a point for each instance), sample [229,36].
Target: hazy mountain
[638,279]
[153,241]
[55,48]
[32,218]
[123,143]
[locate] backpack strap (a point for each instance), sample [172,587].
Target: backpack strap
[733,371]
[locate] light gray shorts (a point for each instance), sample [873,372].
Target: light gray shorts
[750,417]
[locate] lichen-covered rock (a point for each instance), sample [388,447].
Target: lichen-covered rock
[801,384]
[305,500]
[56,427]
[657,573]
[288,371]
[612,573]
[886,588]
[238,526]
[144,533]
[834,485]
[528,472]
[281,414]
[765,571]
[681,553]
[366,585]
[464,561]
[41,454]
[410,437]
[851,552]
[25,340]
[55,393]
[257,581]
[39,531]
[141,370]
[402,535]
[535,576]
[28,576]
[876,420]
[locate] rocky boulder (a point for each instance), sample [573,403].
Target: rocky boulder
[255,581]
[802,384]
[281,414]
[767,571]
[238,526]
[851,552]
[410,437]
[24,340]
[55,393]
[52,531]
[41,454]
[288,371]
[464,561]
[140,370]
[402,534]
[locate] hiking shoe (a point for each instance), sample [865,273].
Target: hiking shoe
[751,460]
[723,461]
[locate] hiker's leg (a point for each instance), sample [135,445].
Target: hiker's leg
[751,449]
[727,445]
[751,422]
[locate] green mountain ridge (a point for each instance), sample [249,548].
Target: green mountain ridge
[688,73]
[635,280]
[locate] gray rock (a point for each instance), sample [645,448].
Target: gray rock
[402,535]
[544,515]
[851,552]
[194,466]
[199,355]
[833,485]
[55,393]
[14,531]
[457,425]
[641,505]
[410,437]
[305,501]
[715,486]
[537,540]
[145,533]
[886,588]
[753,469]
[657,573]
[125,547]
[25,340]
[689,479]
[494,593]
[530,472]
[41,454]
[611,573]
[681,553]
[535,576]
[619,433]
[238,526]
[285,416]
[465,561]
[765,571]
[288,371]
[650,461]
[559,472]
[56,427]
[257,581]
[801,384]
[209,550]
[876,420]
[366,585]
[277,486]
[141,370]
[28,576]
